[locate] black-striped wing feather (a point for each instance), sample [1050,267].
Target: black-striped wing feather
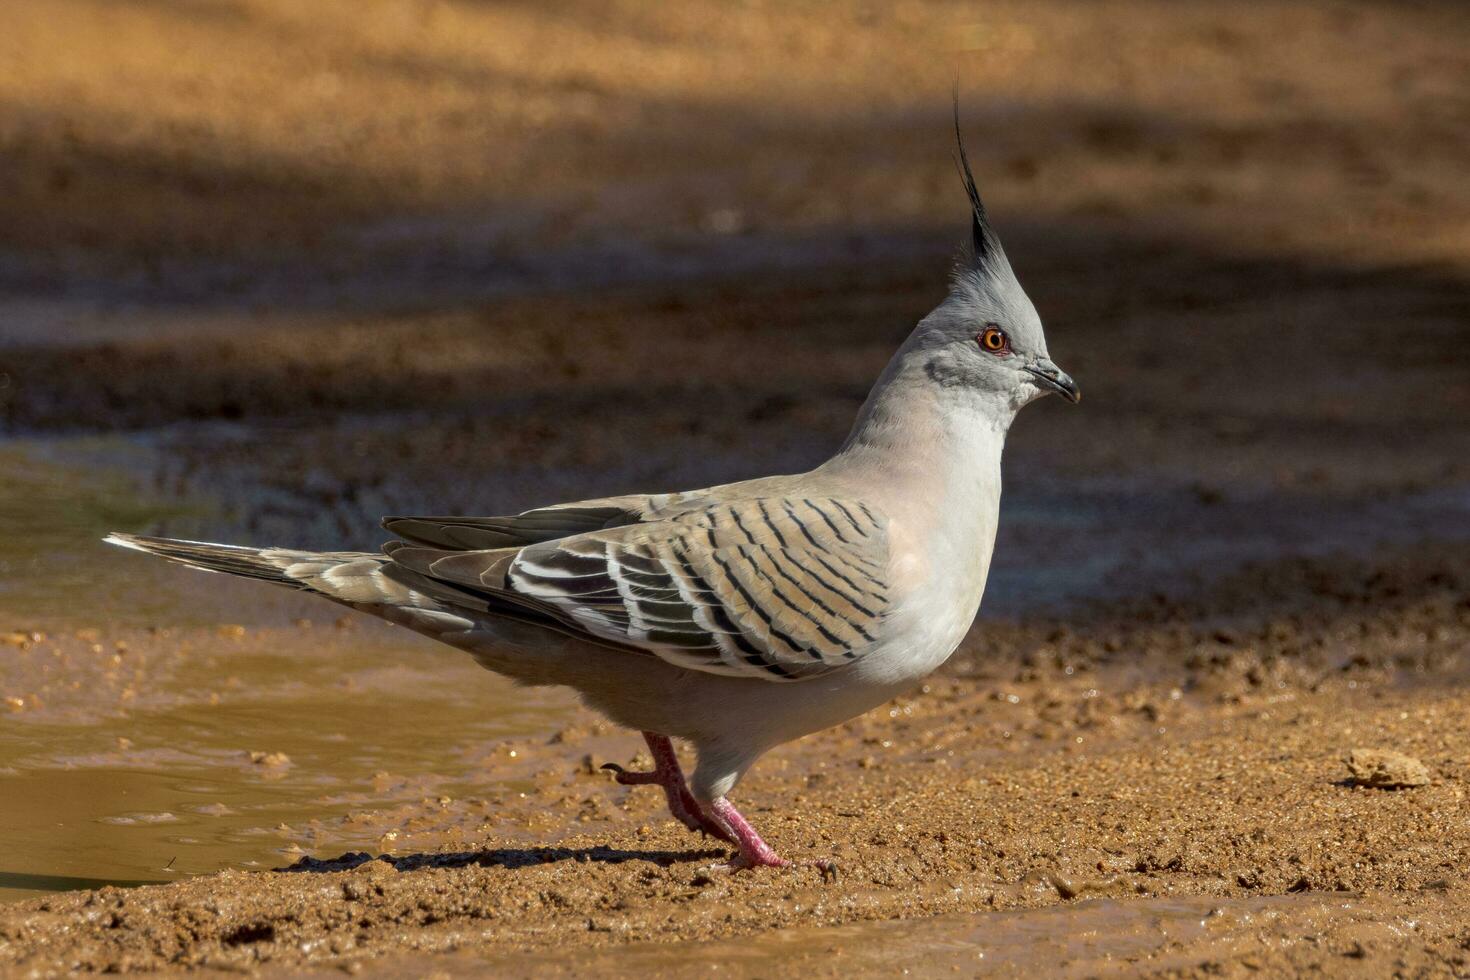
[780,588]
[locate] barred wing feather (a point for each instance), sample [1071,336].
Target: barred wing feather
[777,588]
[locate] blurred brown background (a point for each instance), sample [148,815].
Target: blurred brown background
[319,261]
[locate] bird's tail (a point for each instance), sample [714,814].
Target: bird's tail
[365,581]
[346,576]
[495,632]
[229,558]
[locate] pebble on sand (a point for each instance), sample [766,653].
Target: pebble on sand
[1384,769]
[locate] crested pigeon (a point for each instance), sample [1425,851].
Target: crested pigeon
[743,616]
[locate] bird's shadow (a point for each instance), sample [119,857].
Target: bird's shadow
[503,857]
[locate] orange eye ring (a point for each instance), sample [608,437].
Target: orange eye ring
[993,340]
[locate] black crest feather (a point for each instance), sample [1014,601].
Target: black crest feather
[986,244]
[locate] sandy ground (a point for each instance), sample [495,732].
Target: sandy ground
[269,270]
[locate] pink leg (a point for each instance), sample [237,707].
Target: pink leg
[666,773]
[754,852]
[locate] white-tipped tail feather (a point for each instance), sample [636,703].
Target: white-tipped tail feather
[365,581]
[266,564]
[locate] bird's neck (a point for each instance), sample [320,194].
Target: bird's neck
[928,447]
[929,457]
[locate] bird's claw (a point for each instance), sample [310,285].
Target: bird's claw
[827,868]
[632,777]
[666,773]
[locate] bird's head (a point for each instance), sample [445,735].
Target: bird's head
[986,336]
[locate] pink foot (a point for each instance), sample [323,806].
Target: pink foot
[667,774]
[754,852]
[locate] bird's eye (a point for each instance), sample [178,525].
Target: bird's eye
[994,340]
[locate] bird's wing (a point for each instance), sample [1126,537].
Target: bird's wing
[518,530]
[780,588]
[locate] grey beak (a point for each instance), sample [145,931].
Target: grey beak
[1055,379]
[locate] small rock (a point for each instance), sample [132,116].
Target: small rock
[1383,769]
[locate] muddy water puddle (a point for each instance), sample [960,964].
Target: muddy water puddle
[141,741]
[195,751]
[53,513]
